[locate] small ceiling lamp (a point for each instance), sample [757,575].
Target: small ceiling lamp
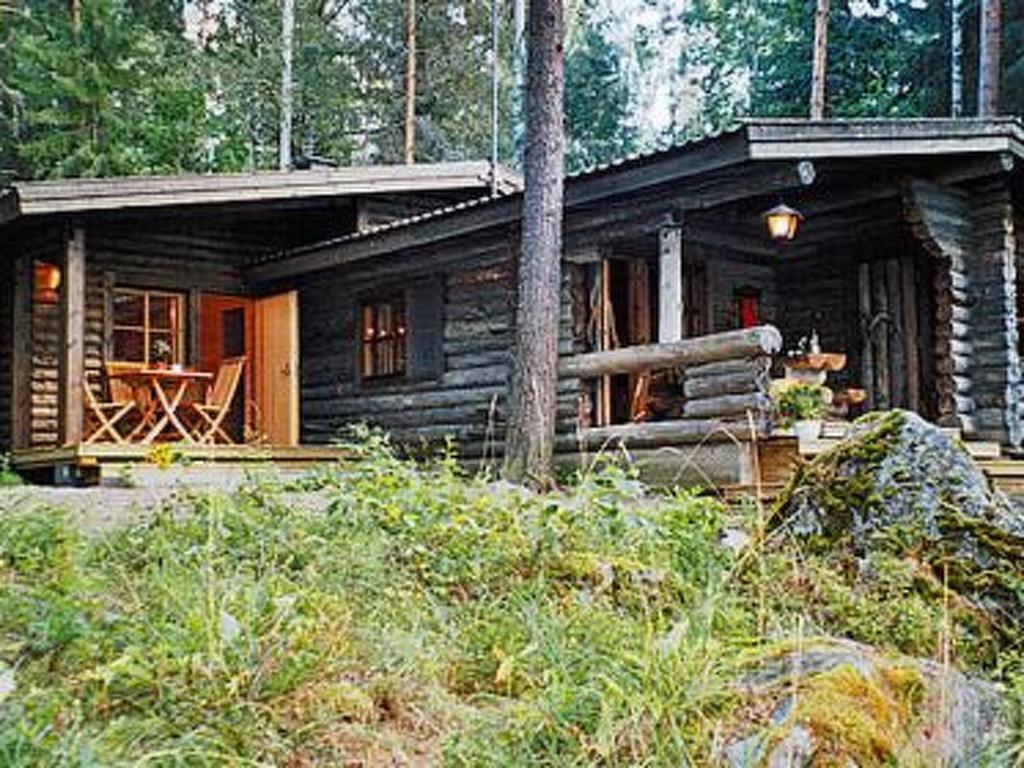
[782,222]
[45,282]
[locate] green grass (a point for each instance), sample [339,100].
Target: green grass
[424,614]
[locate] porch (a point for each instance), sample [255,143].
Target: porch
[167,464]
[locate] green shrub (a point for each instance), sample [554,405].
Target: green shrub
[415,611]
[800,401]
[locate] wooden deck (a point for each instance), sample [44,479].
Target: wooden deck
[779,455]
[108,463]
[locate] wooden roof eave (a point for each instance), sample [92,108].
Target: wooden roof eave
[612,183]
[801,139]
[89,195]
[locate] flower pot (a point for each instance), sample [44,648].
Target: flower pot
[807,429]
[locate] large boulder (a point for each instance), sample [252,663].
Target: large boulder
[840,703]
[902,484]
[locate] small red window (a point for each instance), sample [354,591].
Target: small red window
[748,308]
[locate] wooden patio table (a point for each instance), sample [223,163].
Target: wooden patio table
[169,387]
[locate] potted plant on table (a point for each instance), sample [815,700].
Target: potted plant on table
[162,353]
[802,404]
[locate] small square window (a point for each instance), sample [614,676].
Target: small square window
[382,334]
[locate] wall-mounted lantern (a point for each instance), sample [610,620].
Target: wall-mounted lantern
[45,282]
[782,222]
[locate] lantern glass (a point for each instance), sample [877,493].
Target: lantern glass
[782,222]
[46,282]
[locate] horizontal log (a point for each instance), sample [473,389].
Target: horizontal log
[750,342]
[655,433]
[727,405]
[751,366]
[727,384]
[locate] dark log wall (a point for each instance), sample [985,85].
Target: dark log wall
[725,276]
[466,397]
[6,349]
[991,273]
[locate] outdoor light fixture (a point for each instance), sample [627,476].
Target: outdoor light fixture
[782,222]
[45,282]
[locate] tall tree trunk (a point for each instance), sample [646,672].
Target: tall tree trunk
[410,81]
[990,43]
[956,59]
[529,444]
[75,10]
[287,40]
[819,67]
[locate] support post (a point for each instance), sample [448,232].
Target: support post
[21,354]
[670,283]
[72,361]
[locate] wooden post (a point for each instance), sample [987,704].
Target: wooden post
[819,70]
[72,361]
[21,354]
[670,283]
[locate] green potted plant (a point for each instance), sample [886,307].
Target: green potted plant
[802,404]
[162,353]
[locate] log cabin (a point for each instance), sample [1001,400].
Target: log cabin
[678,309]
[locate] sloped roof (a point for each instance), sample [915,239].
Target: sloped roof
[783,139]
[36,198]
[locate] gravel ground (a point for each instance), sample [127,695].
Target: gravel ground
[103,508]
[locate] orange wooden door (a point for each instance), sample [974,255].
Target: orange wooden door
[276,369]
[226,330]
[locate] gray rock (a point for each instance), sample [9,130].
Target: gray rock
[900,482]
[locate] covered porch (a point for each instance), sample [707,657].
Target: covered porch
[127,338]
[902,273]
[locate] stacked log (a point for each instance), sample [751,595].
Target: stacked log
[725,388]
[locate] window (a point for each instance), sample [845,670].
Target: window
[383,338]
[148,326]
[747,307]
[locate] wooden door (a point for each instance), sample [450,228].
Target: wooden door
[894,307]
[226,330]
[276,369]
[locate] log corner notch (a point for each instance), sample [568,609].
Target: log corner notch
[939,217]
[725,384]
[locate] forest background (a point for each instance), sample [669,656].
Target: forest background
[118,87]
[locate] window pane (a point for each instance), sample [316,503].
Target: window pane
[129,309]
[129,346]
[163,312]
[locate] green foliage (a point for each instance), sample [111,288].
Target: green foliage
[8,476]
[413,611]
[800,401]
[115,98]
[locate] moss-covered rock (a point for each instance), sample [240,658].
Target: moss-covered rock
[899,484]
[839,703]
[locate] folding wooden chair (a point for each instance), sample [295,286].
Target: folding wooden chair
[212,412]
[120,390]
[106,415]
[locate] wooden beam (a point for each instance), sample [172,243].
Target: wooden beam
[21,353]
[749,342]
[72,362]
[656,433]
[670,283]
